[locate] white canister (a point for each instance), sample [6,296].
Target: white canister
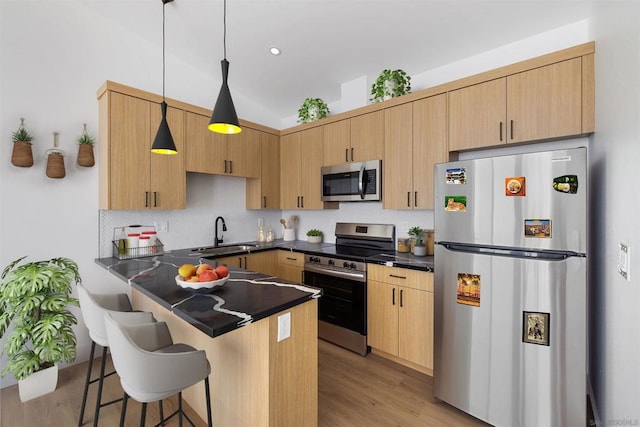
[133,241]
[153,240]
[144,244]
[289,234]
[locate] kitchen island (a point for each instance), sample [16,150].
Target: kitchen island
[256,380]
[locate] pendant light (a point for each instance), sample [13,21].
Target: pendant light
[163,143]
[224,118]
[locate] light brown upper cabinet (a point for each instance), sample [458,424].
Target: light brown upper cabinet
[538,104]
[214,153]
[300,163]
[357,139]
[130,176]
[264,193]
[415,139]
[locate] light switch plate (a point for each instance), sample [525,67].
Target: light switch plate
[624,261]
[161,226]
[284,326]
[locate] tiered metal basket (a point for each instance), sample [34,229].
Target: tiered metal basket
[121,249]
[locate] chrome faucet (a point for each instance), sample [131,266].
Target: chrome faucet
[217,240]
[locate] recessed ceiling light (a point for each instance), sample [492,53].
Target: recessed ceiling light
[274,51]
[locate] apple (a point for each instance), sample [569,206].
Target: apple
[193,279]
[203,267]
[207,276]
[222,271]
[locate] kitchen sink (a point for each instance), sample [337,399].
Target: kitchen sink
[222,250]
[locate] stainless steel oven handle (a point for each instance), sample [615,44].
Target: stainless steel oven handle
[359,277]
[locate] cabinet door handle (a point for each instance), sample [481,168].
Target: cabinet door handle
[240,262]
[398,277]
[298,201]
[292,259]
[225,166]
[408,199]
[230,166]
[511,129]
[500,131]
[246,264]
[346,154]
[352,154]
[155,199]
[400,297]
[264,203]
[415,199]
[146,199]
[302,202]
[393,296]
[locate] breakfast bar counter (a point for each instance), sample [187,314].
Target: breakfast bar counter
[256,378]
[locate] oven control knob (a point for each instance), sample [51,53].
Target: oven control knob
[331,262]
[345,264]
[315,259]
[352,265]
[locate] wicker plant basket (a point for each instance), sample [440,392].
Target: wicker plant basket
[85,155]
[22,156]
[55,166]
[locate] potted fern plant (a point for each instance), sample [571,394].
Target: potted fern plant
[85,149]
[22,155]
[418,247]
[312,109]
[389,84]
[34,301]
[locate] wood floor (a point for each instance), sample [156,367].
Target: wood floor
[353,391]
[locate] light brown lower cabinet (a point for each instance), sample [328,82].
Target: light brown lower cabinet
[400,315]
[290,265]
[263,262]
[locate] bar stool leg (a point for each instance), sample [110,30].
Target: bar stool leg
[143,414]
[99,398]
[161,413]
[208,396]
[123,412]
[180,408]
[86,383]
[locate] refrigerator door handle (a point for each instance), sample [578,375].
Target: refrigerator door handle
[543,255]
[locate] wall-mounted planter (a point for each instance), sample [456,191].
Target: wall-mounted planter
[22,156]
[55,164]
[85,149]
[85,155]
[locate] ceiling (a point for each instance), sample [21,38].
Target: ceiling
[325,43]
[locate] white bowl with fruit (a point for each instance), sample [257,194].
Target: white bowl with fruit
[202,278]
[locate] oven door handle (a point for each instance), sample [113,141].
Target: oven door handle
[359,277]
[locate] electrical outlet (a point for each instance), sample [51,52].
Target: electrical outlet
[161,226]
[284,326]
[624,261]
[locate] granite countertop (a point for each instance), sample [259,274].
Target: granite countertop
[246,297]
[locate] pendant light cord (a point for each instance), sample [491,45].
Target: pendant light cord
[224,25]
[164,4]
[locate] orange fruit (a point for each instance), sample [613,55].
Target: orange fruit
[203,267]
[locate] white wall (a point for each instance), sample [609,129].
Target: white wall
[615,156]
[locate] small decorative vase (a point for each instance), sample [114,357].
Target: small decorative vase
[38,384]
[55,166]
[85,155]
[22,156]
[314,239]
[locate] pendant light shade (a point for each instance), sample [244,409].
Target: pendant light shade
[224,118]
[163,143]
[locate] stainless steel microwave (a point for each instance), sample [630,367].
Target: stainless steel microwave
[352,182]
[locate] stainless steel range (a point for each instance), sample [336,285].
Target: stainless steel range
[342,276]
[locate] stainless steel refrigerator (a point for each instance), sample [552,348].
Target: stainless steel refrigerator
[510,288]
